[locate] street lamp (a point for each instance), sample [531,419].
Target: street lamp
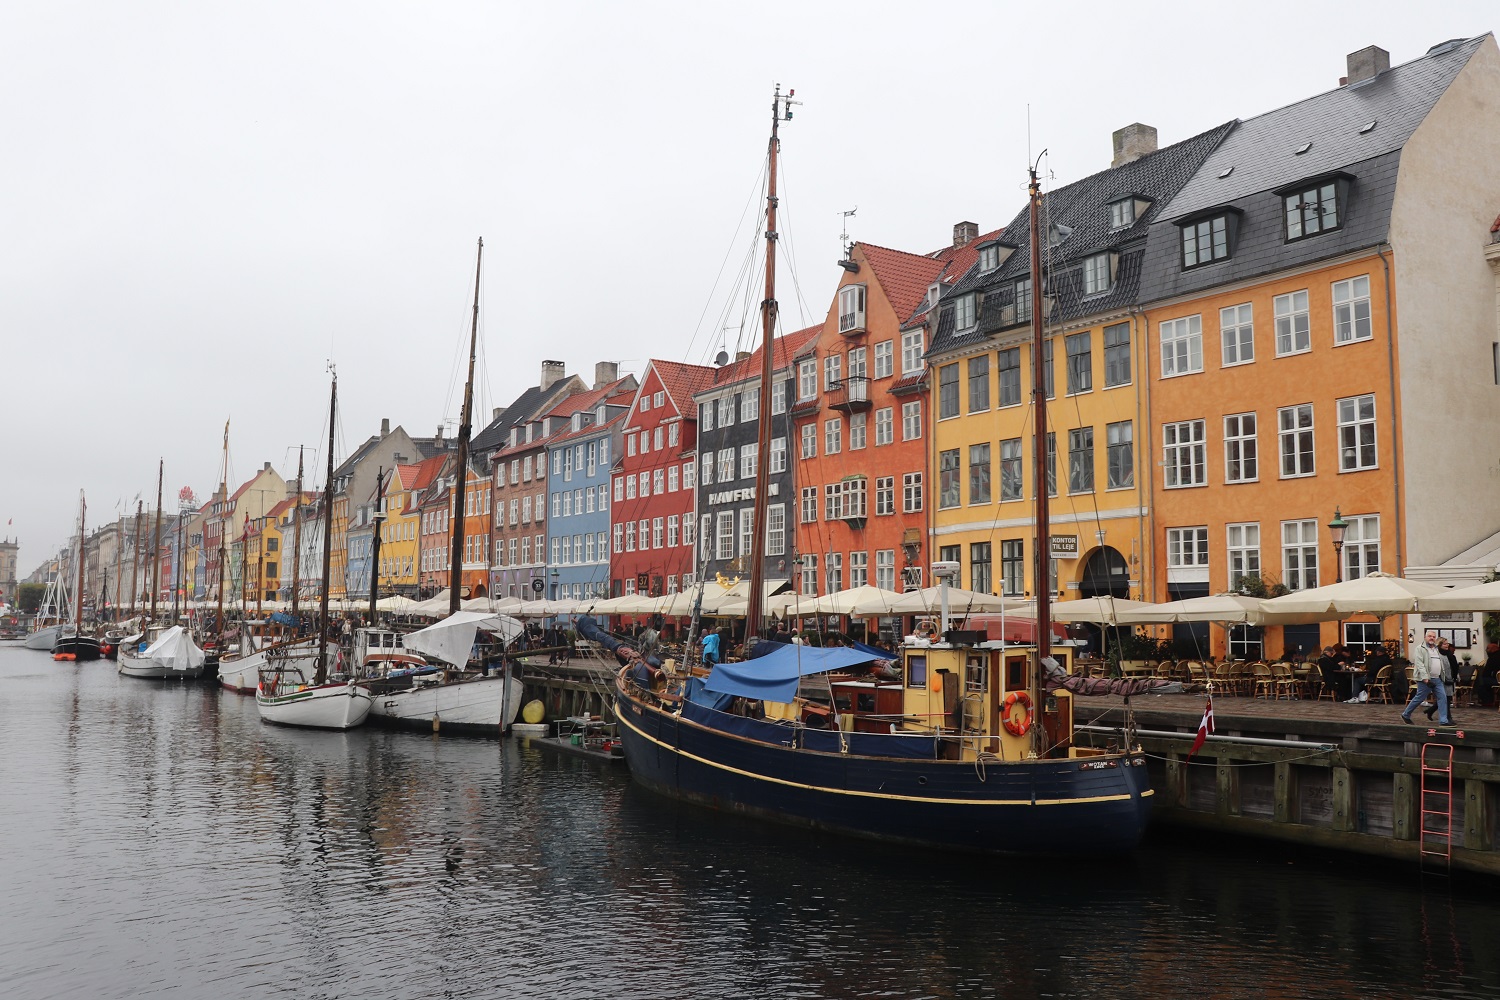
[1336,529]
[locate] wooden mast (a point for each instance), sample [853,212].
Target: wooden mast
[756,598]
[156,543]
[375,543]
[223,525]
[1039,405]
[260,572]
[455,572]
[135,560]
[296,540]
[322,674]
[119,562]
[83,507]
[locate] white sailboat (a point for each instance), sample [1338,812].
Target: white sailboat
[286,701]
[421,680]
[161,652]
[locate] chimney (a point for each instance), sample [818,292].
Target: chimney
[1367,63]
[741,355]
[385,426]
[965,233]
[1133,142]
[266,467]
[605,372]
[495,414]
[552,373]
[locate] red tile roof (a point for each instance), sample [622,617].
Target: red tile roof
[787,347]
[681,381]
[589,399]
[569,434]
[905,277]
[957,261]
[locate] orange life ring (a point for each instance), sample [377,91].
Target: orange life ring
[1011,725]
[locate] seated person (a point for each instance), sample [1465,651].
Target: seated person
[1375,659]
[1485,678]
[1328,666]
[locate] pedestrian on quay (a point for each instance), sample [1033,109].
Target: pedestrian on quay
[1429,663]
[1450,673]
[1485,679]
[710,643]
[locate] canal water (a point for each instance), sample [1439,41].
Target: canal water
[158,840]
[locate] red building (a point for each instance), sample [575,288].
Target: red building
[651,518]
[860,418]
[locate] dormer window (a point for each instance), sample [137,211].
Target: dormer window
[1098,273]
[1312,210]
[852,309]
[1205,240]
[1023,300]
[1121,213]
[989,257]
[965,315]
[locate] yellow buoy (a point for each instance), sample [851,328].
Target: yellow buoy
[534,711]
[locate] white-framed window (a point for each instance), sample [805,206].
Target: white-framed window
[726,409]
[724,535]
[831,501]
[1012,567]
[1080,358]
[884,425]
[672,531]
[688,469]
[1237,334]
[1295,430]
[807,378]
[851,308]
[857,423]
[726,465]
[883,353]
[859,569]
[629,443]
[1357,433]
[989,257]
[778,398]
[645,403]
[749,454]
[1293,323]
[834,574]
[1097,276]
[911,352]
[1181,346]
[705,417]
[809,574]
[1242,543]
[629,487]
[965,316]
[688,527]
[645,484]
[708,468]
[911,420]
[833,436]
[1351,310]
[658,399]
[1121,213]
[747,530]
[749,408]
[657,526]
[1299,554]
[1184,454]
[630,536]
[630,586]
[885,495]
[1187,547]
[672,479]
[809,440]
[911,493]
[885,569]
[706,536]
[833,371]
[776,529]
[809,504]
[1362,546]
[1241,457]
[778,455]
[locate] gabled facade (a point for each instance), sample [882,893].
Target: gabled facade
[475,502]
[400,528]
[1322,319]
[728,457]
[981,365]
[354,506]
[651,519]
[519,473]
[434,551]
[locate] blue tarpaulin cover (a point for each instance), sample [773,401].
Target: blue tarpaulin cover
[774,677]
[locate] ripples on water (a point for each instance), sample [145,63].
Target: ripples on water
[158,839]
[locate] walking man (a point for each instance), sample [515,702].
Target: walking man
[1429,669]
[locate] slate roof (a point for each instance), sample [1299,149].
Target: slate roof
[1262,153]
[1082,207]
[496,432]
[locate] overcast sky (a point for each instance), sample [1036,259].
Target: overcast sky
[204,203]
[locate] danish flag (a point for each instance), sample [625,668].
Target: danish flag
[1204,728]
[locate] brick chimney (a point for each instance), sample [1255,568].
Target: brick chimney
[552,373]
[385,426]
[1367,63]
[1133,142]
[965,233]
[605,372]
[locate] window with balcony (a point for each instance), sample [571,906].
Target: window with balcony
[851,309]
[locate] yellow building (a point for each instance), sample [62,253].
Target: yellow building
[981,367]
[399,533]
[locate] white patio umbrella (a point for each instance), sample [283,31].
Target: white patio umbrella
[1223,609]
[1480,597]
[396,603]
[451,639]
[864,600]
[929,600]
[1377,593]
[1098,610]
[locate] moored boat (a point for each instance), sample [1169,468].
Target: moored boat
[335,705]
[296,659]
[160,653]
[73,645]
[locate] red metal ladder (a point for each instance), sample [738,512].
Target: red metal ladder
[1435,826]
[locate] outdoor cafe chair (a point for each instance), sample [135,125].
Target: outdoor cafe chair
[1381,687]
[1263,683]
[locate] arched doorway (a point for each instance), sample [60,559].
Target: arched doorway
[1105,573]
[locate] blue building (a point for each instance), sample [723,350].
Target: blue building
[579,459]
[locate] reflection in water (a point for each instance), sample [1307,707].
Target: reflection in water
[161,839]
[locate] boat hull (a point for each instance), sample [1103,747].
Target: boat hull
[241,674]
[329,706]
[480,706]
[76,647]
[44,638]
[1031,807]
[130,665]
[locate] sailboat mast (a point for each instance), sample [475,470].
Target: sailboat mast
[156,542]
[375,542]
[135,560]
[224,523]
[1039,396]
[78,600]
[756,597]
[297,537]
[322,675]
[455,573]
[119,562]
[260,572]
[179,582]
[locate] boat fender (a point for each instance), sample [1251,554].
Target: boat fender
[1008,717]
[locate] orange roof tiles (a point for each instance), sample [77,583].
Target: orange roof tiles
[681,381]
[787,347]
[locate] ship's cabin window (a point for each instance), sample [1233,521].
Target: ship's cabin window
[916,671]
[864,701]
[975,673]
[1015,673]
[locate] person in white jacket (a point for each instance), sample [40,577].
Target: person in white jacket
[1430,664]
